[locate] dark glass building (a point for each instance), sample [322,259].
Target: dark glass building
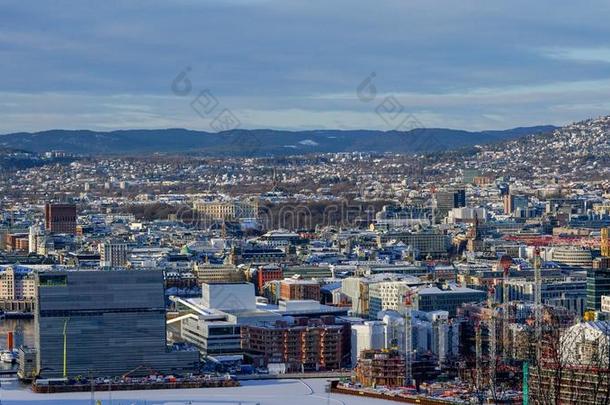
[598,284]
[111,321]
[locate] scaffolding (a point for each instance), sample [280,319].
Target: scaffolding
[376,368]
[605,242]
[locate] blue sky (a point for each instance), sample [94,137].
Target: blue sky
[297,64]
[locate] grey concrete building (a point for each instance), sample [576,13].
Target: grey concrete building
[112,322]
[447,298]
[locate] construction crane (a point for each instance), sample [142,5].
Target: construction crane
[493,348]
[605,242]
[493,341]
[538,298]
[505,261]
[478,358]
[407,307]
[362,305]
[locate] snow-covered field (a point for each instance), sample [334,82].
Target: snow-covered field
[271,392]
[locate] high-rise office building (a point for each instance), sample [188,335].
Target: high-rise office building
[598,284]
[111,322]
[447,200]
[512,202]
[60,218]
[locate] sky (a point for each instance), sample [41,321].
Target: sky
[311,64]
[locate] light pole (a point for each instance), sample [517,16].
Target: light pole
[92,387]
[66,348]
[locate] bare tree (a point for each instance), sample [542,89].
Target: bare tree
[570,363]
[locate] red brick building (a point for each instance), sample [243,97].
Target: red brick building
[309,344]
[264,274]
[291,289]
[60,218]
[17,242]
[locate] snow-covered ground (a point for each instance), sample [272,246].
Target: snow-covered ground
[271,392]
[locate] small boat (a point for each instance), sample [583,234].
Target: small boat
[8,356]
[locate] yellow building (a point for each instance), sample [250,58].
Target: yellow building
[17,284]
[209,273]
[17,289]
[227,210]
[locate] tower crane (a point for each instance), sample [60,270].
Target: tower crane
[478,359]
[538,297]
[493,345]
[505,261]
[407,308]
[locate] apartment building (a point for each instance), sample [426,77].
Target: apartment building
[309,344]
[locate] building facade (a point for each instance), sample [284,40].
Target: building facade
[227,210]
[213,273]
[291,289]
[60,218]
[109,322]
[310,344]
[265,274]
[447,298]
[598,284]
[387,295]
[427,242]
[113,254]
[17,289]
[381,368]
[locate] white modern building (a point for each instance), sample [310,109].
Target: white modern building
[228,296]
[367,336]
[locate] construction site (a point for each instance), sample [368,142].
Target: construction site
[307,345]
[386,368]
[500,341]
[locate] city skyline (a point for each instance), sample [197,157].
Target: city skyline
[265,201]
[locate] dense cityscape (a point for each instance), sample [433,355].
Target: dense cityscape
[421,277]
[304,202]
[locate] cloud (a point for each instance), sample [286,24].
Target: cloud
[580,54]
[297,64]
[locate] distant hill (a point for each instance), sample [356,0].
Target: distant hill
[260,142]
[17,159]
[577,151]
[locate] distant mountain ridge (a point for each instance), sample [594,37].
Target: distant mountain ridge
[256,142]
